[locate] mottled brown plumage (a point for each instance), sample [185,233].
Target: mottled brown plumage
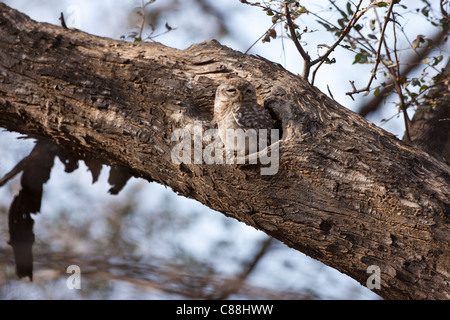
[236,107]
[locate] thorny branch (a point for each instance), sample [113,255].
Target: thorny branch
[411,65]
[308,63]
[355,17]
[392,67]
[378,57]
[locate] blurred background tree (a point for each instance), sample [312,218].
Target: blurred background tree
[147,242]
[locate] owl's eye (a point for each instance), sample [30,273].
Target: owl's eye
[231,90]
[249,91]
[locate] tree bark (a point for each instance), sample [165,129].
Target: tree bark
[346,192]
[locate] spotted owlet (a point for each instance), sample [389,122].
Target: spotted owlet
[235,107]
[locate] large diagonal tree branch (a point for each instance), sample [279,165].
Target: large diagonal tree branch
[346,193]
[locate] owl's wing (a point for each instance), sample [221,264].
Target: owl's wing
[251,116]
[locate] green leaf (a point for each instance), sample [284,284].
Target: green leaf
[360,58]
[423,88]
[415,82]
[342,22]
[349,8]
[382,4]
[376,93]
[402,80]
[436,60]
[327,26]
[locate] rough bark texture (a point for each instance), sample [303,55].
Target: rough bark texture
[347,193]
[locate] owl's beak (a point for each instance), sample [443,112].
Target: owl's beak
[241,97]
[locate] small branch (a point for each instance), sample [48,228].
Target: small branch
[376,101]
[143,20]
[396,80]
[246,51]
[308,63]
[329,92]
[355,17]
[315,71]
[344,33]
[234,285]
[303,53]
[17,169]
[63,22]
[378,57]
[443,11]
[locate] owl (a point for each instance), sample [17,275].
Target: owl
[235,107]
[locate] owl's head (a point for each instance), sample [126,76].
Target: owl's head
[236,90]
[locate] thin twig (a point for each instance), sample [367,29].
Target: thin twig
[234,285]
[410,66]
[63,22]
[17,169]
[444,13]
[303,53]
[315,70]
[329,92]
[397,84]
[143,20]
[378,57]
[246,51]
[344,33]
[357,14]
[367,46]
